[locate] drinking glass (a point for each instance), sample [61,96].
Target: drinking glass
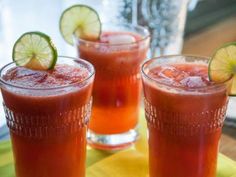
[166,21]
[117,86]
[48,125]
[184,123]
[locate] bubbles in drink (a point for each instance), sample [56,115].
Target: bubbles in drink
[61,75]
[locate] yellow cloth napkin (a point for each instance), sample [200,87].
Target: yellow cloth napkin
[134,164]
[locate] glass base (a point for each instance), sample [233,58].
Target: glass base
[112,142]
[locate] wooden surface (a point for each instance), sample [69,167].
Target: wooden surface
[204,43]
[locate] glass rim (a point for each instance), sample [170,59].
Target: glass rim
[91,74]
[144,38]
[165,57]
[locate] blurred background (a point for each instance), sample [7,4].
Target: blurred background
[177,26]
[165,19]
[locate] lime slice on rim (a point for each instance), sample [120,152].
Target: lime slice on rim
[81,20]
[35,50]
[222,66]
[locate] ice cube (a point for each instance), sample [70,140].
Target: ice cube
[193,81]
[169,72]
[121,39]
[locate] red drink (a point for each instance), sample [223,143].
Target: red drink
[116,95]
[47,113]
[185,114]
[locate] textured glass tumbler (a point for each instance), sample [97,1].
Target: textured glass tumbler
[166,21]
[48,125]
[117,86]
[184,124]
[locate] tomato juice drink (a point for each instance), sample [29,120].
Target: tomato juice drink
[117,57]
[47,113]
[185,113]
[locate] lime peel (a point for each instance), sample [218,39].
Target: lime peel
[35,50]
[81,21]
[222,66]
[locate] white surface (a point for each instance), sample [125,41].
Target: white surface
[18,17]
[231,112]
